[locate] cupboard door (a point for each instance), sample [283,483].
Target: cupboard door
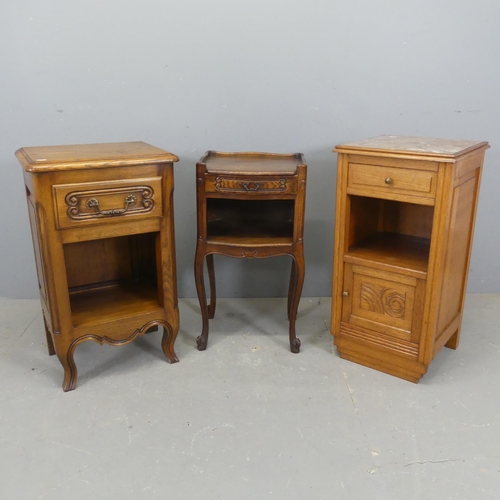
[383,302]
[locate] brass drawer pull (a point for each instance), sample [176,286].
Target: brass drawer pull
[345,294]
[388,180]
[130,201]
[246,186]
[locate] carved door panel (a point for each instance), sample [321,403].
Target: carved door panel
[383,302]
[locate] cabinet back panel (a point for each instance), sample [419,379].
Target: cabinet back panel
[406,218]
[99,262]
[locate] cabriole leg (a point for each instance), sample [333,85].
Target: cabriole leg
[295,298]
[70,371]
[167,343]
[292,287]
[202,340]
[211,279]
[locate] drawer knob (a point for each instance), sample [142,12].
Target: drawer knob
[388,180]
[345,294]
[130,201]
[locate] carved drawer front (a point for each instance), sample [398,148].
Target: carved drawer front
[104,202]
[250,185]
[392,182]
[383,302]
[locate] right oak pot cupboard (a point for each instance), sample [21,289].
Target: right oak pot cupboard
[405,214]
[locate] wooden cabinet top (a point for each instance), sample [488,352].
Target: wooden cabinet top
[251,163]
[442,149]
[87,156]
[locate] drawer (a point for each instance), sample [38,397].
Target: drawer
[107,201]
[391,182]
[250,185]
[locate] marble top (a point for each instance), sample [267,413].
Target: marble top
[423,145]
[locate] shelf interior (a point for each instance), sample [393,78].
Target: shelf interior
[390,233]
[250,221]
[112,278]
[393,249]
[112,302]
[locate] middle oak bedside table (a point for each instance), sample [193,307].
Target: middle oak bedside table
[250,205]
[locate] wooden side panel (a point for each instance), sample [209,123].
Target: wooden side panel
[454,275]
[340,246]
[437,251]
[42,282]
[469,164]
[364,215]
[165,253]
[300,204]
[44,266]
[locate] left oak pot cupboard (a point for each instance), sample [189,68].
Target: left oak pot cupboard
[103,233]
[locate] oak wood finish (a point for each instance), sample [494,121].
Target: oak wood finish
[405,215]
[103,232]
[250,205]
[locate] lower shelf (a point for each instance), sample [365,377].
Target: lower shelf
[249,241]
[399,252]
[111,303]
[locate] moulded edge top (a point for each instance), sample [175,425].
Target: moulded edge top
[85,156]
[252,162]
[443,149]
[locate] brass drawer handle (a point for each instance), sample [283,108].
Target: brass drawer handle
[345,294]
[388,180]
[246,186]
[130,201]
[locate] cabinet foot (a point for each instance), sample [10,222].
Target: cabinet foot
[295,345]
[201,342]
[70,371]
[454,340]
[167,343]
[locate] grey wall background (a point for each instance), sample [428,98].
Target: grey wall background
[265,75]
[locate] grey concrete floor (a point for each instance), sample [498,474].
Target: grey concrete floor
[247,419]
